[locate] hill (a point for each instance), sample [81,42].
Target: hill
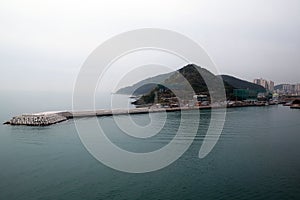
[196,80]
[144,86]
[176,82]
[279,87]
[242,84]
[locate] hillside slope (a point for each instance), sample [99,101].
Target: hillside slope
[242,84]
[144,86]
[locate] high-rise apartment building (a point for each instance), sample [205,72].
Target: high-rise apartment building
[256,81]
[269,85]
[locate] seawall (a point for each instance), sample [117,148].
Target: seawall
[49,118]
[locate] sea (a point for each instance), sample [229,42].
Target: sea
[256,157]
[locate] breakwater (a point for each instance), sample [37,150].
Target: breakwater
[40,119]
[49,118]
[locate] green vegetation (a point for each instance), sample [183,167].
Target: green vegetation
[197,77]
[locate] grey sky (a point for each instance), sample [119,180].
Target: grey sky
[44,43]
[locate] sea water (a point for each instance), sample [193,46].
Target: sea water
[256,157]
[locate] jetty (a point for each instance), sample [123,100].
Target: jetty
[53,117]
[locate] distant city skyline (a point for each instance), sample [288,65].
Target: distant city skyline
[288,89]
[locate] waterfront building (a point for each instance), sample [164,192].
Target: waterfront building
[201,99]
[242,94]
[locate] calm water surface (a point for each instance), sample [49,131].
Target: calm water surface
[257,157]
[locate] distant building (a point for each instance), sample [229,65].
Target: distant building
[261,96]
[242,94]
[200,97]
[200,100]
[289,89]
[269,85]
[297,89]
[256,81]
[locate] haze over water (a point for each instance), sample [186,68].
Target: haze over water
[257,157]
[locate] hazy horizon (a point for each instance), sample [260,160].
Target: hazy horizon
[44,43]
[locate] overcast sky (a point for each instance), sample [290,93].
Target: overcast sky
[44,43]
